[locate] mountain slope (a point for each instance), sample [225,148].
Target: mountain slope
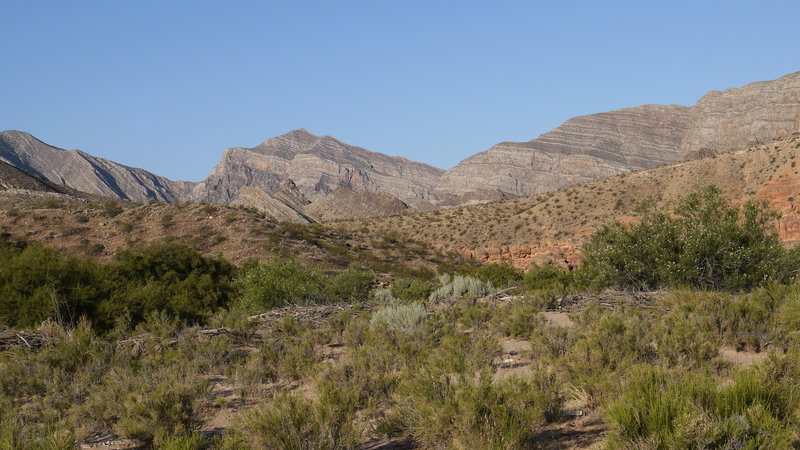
[85,172]
[738,118]
[12,177]
[551,227]
[317,166]
[581,149]
[599,145]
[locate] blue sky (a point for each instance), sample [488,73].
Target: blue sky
[168,85]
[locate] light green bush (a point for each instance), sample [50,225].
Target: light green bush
[461,286]
[441,411]
[400,318]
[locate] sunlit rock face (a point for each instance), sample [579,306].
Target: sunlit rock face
[581,149]
[737,118]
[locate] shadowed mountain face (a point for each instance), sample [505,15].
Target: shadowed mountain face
[317,166]
[12,177]
[85,172]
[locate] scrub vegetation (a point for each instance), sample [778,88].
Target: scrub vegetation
[678,331]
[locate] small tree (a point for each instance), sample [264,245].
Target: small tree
[706,244]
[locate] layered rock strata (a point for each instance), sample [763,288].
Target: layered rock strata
[737,118]
[581,149]
[317,166]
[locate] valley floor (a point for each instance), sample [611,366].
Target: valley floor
[503,370]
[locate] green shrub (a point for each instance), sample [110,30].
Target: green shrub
[167,277]
[149,404]
[705,244]
[652,401]
[662,409]
[276,282]
[440,411]
[294,423]
[410,289]
[520,319]
[500,275]
[37,282]
[546,280]
[353,284]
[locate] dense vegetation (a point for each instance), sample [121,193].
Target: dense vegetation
[38,283]
[428,361]
[705,244]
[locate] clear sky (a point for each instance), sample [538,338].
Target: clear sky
[167,85]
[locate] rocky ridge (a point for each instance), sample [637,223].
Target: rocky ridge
[741,117]
[317,165]
[582,149]
[85,172]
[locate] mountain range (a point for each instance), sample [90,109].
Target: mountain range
[299,176]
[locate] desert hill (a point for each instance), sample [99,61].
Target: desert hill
[97,227]
[551,227]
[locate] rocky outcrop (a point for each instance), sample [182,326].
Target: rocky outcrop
[783,195]
[582,149]
[269,205]
[357,205]
[85,172]
[737,118]
[317,166]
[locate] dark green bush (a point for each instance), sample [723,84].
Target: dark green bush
[171,278]
[546,279]
[706,244]
[410,289]
[37,283]
[501,275]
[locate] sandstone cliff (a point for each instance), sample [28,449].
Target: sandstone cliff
[85,172]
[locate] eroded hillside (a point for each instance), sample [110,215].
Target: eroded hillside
[552,227]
